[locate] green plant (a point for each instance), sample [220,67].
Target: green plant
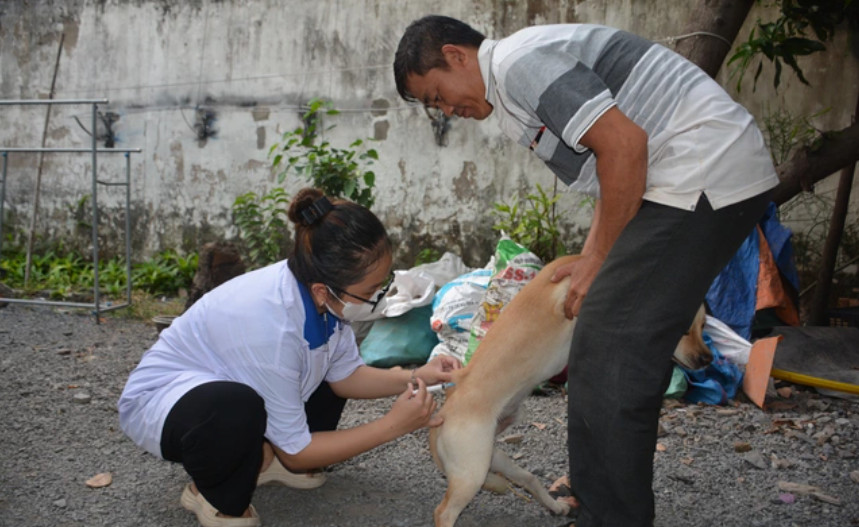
[785,39]
[111,277]
[165,274]
[262,224]
[62,274]
[427,255]
[339,172]
[531,222]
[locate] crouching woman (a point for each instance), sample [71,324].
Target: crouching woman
[247,387]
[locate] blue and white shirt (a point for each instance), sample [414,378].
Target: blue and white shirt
[549,84]
[260,329]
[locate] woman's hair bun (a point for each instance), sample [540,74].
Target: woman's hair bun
[308,206]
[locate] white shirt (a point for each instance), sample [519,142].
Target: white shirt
[260,329]
[549,84]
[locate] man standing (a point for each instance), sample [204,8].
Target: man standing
[681,176]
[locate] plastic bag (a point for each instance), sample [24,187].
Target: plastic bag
[731,345]
[411,288]
[406,339]
[453,308]
[416,287]
[515,266]
[445,269]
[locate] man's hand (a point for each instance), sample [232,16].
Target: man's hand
[582,273]
[620,147]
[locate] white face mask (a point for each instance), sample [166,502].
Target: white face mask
[358,312]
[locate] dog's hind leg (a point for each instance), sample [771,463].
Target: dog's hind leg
[495,483]
[502,464]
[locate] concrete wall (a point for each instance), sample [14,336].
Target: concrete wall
[240,70]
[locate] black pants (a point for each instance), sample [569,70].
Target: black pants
[217,431]
[640,304]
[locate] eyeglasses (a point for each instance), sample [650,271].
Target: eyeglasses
[377,296]
[433,109]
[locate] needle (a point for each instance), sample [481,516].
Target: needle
[436,388]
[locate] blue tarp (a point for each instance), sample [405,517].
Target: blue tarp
[732,296]
[717,383]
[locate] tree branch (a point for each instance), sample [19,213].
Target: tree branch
[812,164]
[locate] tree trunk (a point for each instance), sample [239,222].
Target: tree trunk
[712,28]
[820,301]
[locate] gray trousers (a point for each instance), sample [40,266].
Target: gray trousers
[640,304]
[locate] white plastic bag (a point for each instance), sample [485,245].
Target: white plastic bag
[416,287]
[445,269]
[731,345]
[410,289]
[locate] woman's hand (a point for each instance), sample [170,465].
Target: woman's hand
[438,370]
[413,409]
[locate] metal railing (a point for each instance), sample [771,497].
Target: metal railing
[96,305]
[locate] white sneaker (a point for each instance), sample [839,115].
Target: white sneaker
[277,474]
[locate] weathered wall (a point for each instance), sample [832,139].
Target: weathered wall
[250,64]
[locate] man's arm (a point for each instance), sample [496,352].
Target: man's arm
[620,147]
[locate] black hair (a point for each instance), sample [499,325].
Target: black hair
[420,47]
[337,242]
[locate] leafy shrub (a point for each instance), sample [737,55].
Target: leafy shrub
[63,275]
[262,224]
[532,223]
[165,274]
[339,172]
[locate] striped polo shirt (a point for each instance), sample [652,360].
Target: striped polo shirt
[549,84]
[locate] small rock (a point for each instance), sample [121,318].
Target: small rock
[755,459]
[778,464]
[855,476]
[785,392]
[817,404]
[61,503]
[82,398]
[824,435]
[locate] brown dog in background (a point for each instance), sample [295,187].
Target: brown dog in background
[489,390]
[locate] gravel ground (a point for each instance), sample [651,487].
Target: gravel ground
[62,375]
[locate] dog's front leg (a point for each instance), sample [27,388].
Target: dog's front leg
[502,464]
[464,453]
